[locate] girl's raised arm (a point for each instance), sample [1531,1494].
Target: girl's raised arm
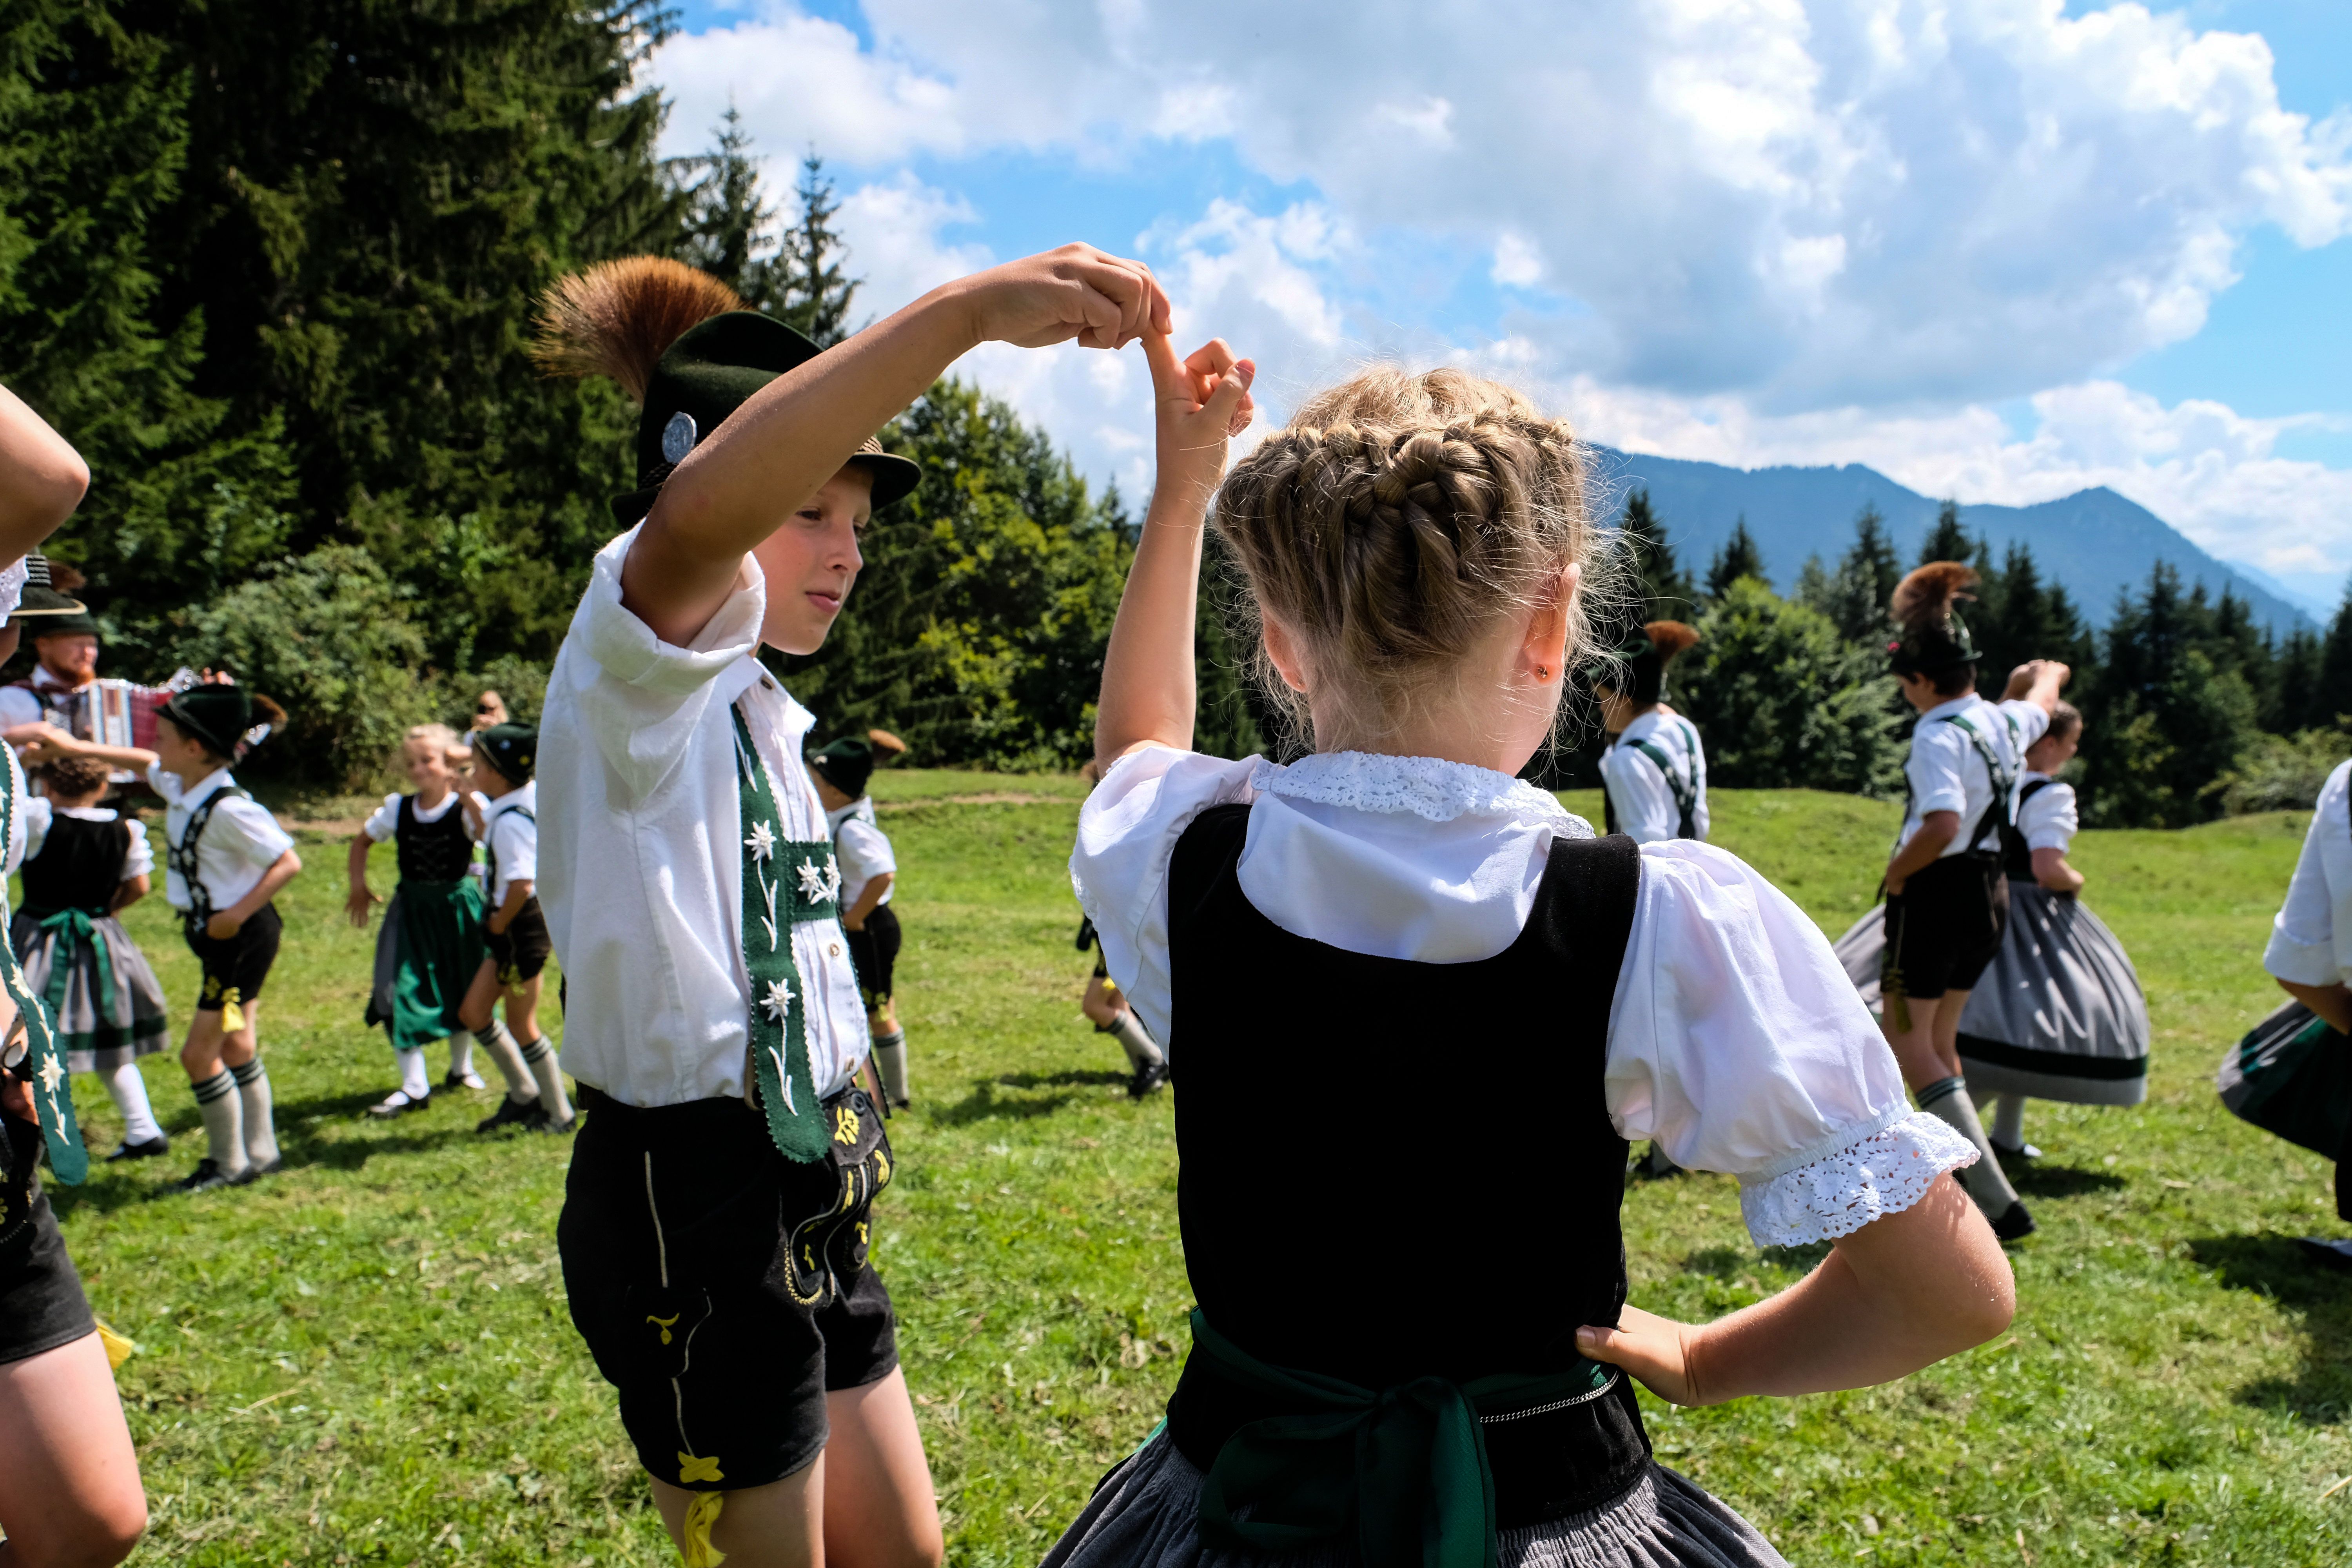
[42,478]
[781,446]
[1148,690]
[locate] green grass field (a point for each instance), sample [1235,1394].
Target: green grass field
[367,1359]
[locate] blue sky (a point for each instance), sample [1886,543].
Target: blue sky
[1996,249]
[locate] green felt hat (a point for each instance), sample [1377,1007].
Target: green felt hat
[846,763]
[217,715]
[711,371]
[511,749]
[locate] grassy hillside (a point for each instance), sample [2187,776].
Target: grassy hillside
[368,1360]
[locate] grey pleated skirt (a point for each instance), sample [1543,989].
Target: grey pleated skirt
[2059,1015]
[96,1037]
[1142,1517]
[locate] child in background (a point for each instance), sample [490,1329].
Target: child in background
[1413,547]
[83,866]
[431,942]
[1107,1011]
[516,935]
[225,858]
[1654,771]
[869,875]
[2059,1015]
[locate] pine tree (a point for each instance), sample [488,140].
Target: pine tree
[1854,597]
[816,292]
[1947,540]
[2331,696]
[1738,558]
[2295,703]
[2165,720]
[730,230]
[1662,590]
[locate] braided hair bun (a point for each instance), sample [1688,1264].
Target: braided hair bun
[1395,522]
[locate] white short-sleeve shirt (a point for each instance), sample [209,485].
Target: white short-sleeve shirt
[2049,817]
[39,811]
[640,849]
[2311,939]
[1946,772]
[510,827]
[1642,794]
[1735,1038]
[241,841]
[864,849]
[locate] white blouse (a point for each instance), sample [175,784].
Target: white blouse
[242,840]
[864,849]
[2311,941]
[1640,790]
[1735,1038]
[39,813]
[383,823]
[1946,772]
[2050,819]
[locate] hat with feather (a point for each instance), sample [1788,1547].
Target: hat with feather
[1931,638]
[1640,671]
[49,604]
[680,343]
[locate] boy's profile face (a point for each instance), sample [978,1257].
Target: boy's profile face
[812,559]
[181,755]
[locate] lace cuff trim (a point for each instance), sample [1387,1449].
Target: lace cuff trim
[1882,1173]
[1428,787]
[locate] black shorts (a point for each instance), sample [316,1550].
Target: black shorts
[521,950]
[874,952]
[41,1302]
[723,1290]
[240,963]
[1945,927]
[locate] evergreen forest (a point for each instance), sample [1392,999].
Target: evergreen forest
[272,267]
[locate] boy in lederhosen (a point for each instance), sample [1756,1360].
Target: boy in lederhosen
[1947,893]
[507,802]
[715,1223]
[869,876]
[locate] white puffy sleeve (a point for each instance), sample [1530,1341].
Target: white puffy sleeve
[139,861]
[2051,819]
[1737,1041]
[37,816]
[384,821]
[1126,834]
[2311,939]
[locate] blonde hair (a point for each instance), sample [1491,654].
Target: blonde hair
[442,738]
[1395,522]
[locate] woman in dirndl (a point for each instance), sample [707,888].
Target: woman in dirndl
[2059,1015]
[84,864]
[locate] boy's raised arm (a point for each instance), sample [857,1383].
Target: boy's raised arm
[781,446]
[42,478]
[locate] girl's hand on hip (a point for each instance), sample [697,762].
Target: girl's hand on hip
[1658,1350]
[1104,301]
[1200,403]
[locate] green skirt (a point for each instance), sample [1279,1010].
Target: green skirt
[426,957]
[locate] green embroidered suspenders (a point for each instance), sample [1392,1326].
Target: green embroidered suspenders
[44,1063]
[1685,791]
[785,883]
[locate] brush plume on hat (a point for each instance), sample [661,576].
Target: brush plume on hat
[1641,673]
[1934,638]
[618,317]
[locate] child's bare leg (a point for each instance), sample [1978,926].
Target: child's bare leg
[779,1525]
[888,1053]
[1109,1011]
[257,1112]
[217,1094]
[479,1013]
[1929,1055]
[538,1056]
[70,1491]
[880,1511]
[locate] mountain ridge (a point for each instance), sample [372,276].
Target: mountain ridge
[2096,542]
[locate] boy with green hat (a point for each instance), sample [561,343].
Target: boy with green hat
[715,1225]
[869,876]
[505,756]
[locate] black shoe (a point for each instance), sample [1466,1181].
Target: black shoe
[399,1102]
[202,1179]
[2328,1254]
[2022,1151]
[1148,1077]
[469,1079]
[543,1122]
[2015,1224]
[511,1112]
[158,1145]
[255,1172]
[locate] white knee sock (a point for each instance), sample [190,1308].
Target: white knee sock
[414,1083]
[260,1124]
[550,1074]
[1949,1102]
[1136,1040]
[130,1094]
[521,1088]
[223,1113]
[461,1052]
[2008,1120]
[890,1060]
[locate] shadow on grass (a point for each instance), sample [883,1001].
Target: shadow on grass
[2041,1179]
[2275,1266]
[989,1102]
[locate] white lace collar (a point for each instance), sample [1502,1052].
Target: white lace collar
[1428,787]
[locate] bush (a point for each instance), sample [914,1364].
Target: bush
[2282,773]
[1783,701]
[333,638]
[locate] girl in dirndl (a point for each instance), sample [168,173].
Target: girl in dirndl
[2059,1016]
[1370,1381]
[84,864]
